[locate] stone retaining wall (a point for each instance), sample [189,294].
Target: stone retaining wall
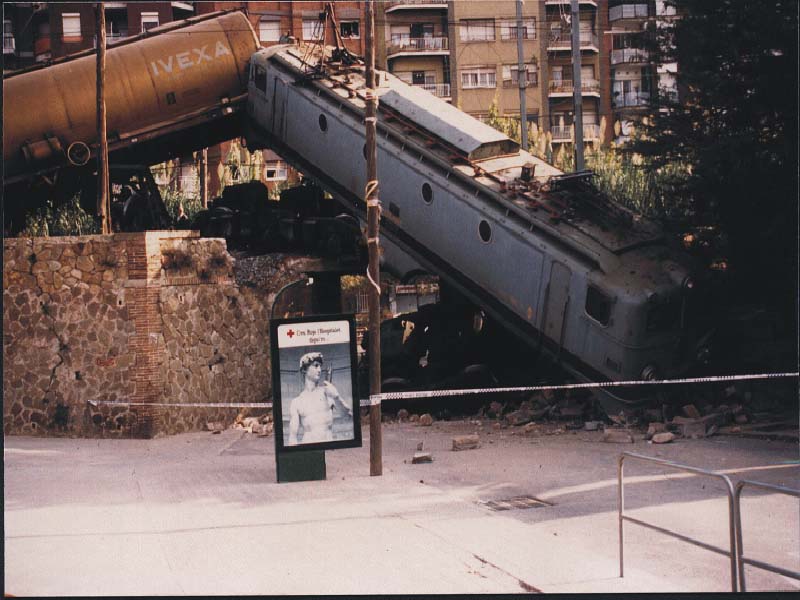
[137,317]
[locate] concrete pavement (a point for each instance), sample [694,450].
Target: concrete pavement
[202,514]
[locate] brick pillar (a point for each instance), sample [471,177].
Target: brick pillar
[142,292]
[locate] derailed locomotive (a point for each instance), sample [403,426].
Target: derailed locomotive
[541,252]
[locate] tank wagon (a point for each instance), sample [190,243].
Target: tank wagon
[573,274]
[175,88]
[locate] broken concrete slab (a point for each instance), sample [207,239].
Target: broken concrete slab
[690,410]
[421,457]
[695,429]
[655,428]
[519,417]
[466,442]
[664,437]
[215,426]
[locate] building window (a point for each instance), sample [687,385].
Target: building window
[71,25]
[269,31]
[475,30]
[312,30]
[275,170]
[482,77]
[508,29]
[8,36]
[149,20]
[511,75]
[349,29]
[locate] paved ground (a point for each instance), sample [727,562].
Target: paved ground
[202,514]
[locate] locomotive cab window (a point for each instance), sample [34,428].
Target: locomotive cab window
[598,305]
[260,78]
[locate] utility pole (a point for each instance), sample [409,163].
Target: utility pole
[373,228]
[103,202]
[522,79]
[577,97]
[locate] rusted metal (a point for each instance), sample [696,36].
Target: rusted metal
[193,67]
[731,553]
[742,560]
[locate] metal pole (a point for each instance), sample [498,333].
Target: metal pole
[620,507]
[204,177]
[373,227]
[576,83]
[103,203]
[522,78]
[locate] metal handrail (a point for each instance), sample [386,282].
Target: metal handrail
[660,461]
[738,515]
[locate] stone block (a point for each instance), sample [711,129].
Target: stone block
[426,420]
[519,417]
[655,428]
[421,457]
[663,438]
[466,442]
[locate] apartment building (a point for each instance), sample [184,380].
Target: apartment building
[412,42]
[485,64]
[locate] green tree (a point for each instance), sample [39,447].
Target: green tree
[735,125]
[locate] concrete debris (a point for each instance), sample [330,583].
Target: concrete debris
[690,410]
[652,415]
[466,442]
[421,457]
[591,425]
[215,426]
[530,428]
[495,410]
[617,436]
[653,429]
[419,446]
[572,411]
[664,437]
[413,418]
[519,417]
[496,425]
[402,415]
[693,429]
[426,420]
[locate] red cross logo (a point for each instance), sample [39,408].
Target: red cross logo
[290,333]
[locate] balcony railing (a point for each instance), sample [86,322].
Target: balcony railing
[566,2]
[621,100]
[403,4]
[564,86]
[562,40]
[564,133]
[533,81]
[628,11]
[629,56]
[440,90]
[405,43]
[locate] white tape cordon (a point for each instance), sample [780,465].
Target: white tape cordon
[376,399]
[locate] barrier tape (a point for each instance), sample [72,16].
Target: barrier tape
[376,399]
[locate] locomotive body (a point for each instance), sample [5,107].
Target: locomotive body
[177,79]
[540,251]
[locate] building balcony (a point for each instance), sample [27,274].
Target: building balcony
[440,90]
[565,133]
[562,40]
[629,56]
[565,88]
[628,11]
[400,5]
[630,99]
[566,3]
[404,44]
[9,44]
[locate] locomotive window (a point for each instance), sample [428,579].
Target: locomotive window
[260,78]
[323,123]
[427,193]
[485,231]
[598,305]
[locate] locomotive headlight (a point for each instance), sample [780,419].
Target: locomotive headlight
[649,373]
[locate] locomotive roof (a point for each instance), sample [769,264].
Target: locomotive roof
[562,206]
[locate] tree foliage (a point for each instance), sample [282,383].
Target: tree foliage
[735,124]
